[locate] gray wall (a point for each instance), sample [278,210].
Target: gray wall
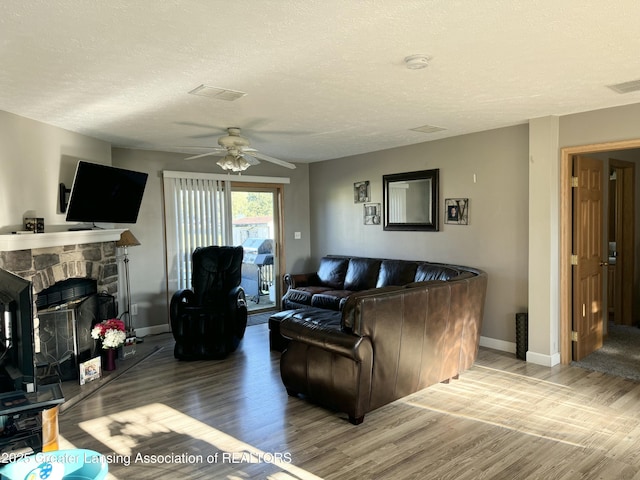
[496,239]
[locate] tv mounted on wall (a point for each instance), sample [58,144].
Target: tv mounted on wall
[101,193]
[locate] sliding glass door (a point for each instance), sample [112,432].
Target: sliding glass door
[207,209]
[255,216]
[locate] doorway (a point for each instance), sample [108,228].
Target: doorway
[256,211]
[609,150]
[621,257]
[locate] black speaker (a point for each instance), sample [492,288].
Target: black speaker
[522,335]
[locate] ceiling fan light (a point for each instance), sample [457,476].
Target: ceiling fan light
[233,163]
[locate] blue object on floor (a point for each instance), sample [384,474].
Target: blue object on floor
[77,464]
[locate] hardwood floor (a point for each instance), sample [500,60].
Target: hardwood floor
[232,419]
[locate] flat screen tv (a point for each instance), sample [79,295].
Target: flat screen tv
[17,364]
[101,193]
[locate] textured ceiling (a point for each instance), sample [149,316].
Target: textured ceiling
[324,79]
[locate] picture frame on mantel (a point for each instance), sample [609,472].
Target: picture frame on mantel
[456,211]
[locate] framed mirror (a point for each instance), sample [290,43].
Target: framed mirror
[410,201]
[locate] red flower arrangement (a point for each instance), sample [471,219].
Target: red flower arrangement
[110,332]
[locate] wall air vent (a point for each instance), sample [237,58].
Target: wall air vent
[217,93]
[428,129]
[626,87]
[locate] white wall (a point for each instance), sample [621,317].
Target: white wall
[34,159]
[496,239]
[544,315]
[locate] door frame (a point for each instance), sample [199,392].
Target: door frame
[278,193]
[566,233]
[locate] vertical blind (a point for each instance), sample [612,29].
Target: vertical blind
[197,214]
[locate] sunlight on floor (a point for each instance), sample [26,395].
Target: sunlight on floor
[530,406]
[196,443]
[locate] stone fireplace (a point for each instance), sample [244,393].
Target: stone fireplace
[57,265]
[47,266]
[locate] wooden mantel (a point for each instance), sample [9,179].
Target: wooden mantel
[13,242]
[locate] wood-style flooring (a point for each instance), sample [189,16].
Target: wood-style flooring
[232,419]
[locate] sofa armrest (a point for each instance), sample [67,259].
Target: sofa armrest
[327,338]
[300,280]
[236,299]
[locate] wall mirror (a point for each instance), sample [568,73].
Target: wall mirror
[411,201]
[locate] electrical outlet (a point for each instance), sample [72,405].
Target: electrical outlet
[134,309]
[297,235]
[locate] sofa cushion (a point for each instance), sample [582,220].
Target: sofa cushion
[431,271]
[303,295]
[362,274]
[396,272]
[332,271]
[319,317]
[331,299]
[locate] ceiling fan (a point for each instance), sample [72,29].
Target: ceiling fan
[236,153]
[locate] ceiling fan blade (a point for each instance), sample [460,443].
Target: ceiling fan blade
[277,161]
[200,125]
[215,153]
[204,135]
[250,158]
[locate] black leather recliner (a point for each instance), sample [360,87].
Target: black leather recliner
[209,321]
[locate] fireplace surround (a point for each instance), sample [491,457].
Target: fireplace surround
[57,260]
[48,266]
[38,263]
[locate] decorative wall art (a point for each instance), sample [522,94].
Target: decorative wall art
[410,201]
[456,211]
[361,192]
[372,213]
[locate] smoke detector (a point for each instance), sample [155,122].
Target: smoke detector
[416,62]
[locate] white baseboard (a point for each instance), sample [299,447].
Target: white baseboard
[498,344]
[543,359]
[153,330]
[510,347]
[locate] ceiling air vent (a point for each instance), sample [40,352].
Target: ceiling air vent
[217,93]
[626,87]
[428,129]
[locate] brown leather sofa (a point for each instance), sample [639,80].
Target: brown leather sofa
[338,277]
[419,324]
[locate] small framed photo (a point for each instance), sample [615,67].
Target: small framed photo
[456,211]
[361,192]
[90,370]
[372,213]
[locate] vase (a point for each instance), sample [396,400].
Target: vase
[109,359]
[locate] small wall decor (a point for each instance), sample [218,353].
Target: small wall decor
[361,192]
[456,211]
[35,225]
[372,213]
